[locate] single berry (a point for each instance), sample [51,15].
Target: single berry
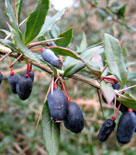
[116,86]
[106,129]
[126,127]
[74,120]
[13,80]
[1,77]
[24,87]
[49,56]
[31,74]
[57,104]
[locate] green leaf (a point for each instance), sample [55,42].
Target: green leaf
[65,52]
[130,102]
[92,58]
[131,76]
[19,6]
[107,92]
[36,20]
[67,36]
[10,13]
[119,10]
[114,58]
[51,131]
[5,31]
[83,44]
[22,48]
[9,44]
[72,66]
[50,21]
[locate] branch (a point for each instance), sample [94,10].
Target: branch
[4,50]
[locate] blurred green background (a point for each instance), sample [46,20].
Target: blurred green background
[18,133]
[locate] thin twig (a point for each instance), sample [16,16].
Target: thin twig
[100,101]
[45,42]
[122,95]
[5,56]
[127,88]
[9,35]
[104,68]
[16,60]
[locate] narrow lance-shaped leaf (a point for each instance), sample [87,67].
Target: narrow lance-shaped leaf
[51,131]
[10,13]
[9,44]
[65,52]
[114,58]
[66,38]
[50,21]
[22,48]
[19,6]
[83,44]
[107,92]
[36,20]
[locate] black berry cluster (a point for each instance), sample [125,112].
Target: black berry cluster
[61,109]
[126,125]
[22,85]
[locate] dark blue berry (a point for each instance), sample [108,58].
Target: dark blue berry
[24,87]
[106,129]
[74,120]
[13,80]
[126,127]
[57,104]
[49,56]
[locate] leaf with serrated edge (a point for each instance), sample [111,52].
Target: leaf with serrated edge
[107,92]
[36,20]
[51,131]
[50,21]
[114,58]
[67,36]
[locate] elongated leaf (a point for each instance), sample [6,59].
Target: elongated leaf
[114,58]
[10,13]
[51,131]
[36,20]
[73,69]
[107,92]
[9,44]
[131,76]
[130,103]
[67,36]
[5,31]
[65,52]
[83,44]
[50,21]
[22,48]
[19,6]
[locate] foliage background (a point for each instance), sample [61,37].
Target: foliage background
[18,133]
